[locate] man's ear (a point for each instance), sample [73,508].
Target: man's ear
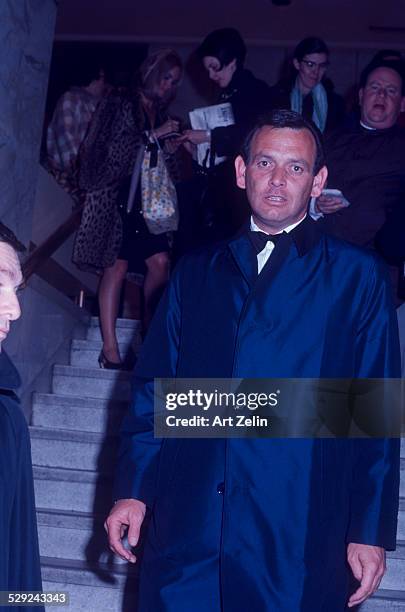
[361,91]
[319,182]
[402,109]
[296,64]
[240,168]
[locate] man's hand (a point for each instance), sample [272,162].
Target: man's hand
[368,566]
[126,513]
[328,204]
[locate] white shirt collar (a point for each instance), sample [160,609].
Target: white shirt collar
[367,127]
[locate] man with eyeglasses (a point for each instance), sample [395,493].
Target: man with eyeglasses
[366,160]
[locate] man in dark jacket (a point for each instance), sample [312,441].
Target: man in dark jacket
[255,523]
[19,553]
[366,160]
[390,242]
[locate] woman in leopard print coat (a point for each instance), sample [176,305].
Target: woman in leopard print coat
[111,241]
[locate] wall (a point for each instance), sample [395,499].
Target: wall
[265,61]
[349,22]
[48,319]
[26,33]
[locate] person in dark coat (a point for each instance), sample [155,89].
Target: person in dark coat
[390,243]
[223,208]
[307,90]
[390,238]
[19,553]
[366,160]
[264,524]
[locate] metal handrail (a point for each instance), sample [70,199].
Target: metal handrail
[45,250]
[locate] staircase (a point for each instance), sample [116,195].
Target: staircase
[74,440]
[391,595]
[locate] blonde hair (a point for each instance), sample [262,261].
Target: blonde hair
[154,67]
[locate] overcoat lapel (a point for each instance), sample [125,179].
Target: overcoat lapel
[275,261]
[245,257]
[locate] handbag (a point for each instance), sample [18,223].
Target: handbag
[159,197]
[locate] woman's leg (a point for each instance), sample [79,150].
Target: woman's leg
[108,298]
[157,275]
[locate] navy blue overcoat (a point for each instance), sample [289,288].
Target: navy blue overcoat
[263,524]
[19,551]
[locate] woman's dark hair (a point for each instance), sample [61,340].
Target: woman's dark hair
[226,45]
[286,119]
[310,45]
[154,67]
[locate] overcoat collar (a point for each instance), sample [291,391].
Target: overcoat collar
[305,236]
[9,377]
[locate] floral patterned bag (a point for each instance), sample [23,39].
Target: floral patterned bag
[159,198]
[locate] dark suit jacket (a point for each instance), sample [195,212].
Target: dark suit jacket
[369,167]
[268,520]
[249,98]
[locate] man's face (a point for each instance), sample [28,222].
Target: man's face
[10,280]
[381,99]
[279,176]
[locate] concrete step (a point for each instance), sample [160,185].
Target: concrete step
[83,598]
[394,578]
[402,480]
[74,535]
[385,601]
[74,413]
[73,449]
[92,587]
[401,520]
[92,382]
[120,324]
[75,490]
[85,353]
[127,330]
[89,573]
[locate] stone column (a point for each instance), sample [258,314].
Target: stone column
[26,36]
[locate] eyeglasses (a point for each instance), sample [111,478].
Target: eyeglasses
[310,64]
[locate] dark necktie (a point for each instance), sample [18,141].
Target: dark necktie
[260,239]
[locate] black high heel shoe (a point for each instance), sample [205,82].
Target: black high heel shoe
[105,364]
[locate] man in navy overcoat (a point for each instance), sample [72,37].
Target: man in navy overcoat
[19,552]
[270,525]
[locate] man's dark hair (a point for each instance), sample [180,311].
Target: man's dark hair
[387,55]
[312,44]
[286,119]
[226,45]
[7,236]
[397,66]
[90,69]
